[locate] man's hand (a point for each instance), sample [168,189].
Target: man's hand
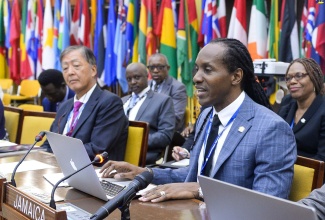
[120,170]
[171,191]
[180,153]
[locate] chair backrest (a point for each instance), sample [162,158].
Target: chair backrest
[308,175]
[6,99]
[6,85]
[137,143]
[31,107]
[29,88]
[33,123]
[13,119]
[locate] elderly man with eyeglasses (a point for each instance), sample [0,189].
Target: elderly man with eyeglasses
[163,83]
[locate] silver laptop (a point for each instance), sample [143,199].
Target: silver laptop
[231,202]
[71,155]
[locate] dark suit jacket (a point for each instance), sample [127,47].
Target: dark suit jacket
[259,157]
[51,106]
[310,135]
[157,109]
[177,91]
[102,125]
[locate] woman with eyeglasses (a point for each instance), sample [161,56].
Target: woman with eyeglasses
[305,111]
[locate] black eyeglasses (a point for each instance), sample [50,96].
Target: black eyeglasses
[158,67]
[298,76]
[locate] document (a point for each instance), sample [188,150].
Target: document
[25,166]
[182,163]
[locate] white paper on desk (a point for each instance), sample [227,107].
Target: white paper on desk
[53,178]
[25,166]
[182,163]
[6,143]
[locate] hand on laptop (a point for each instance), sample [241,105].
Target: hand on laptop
[171,191]
[120,170]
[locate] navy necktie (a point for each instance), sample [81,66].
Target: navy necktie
[212,136]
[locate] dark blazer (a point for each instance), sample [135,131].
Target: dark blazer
[157,109]
[102,125]
[177,91]
[258,153]
[51,106]
[310,135]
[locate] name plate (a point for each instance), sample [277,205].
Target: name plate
[18,205]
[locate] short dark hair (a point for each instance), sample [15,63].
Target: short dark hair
[237,56]
[86,52]
[51,76]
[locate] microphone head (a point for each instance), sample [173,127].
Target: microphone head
[144,179]
[100,158]
[40,136]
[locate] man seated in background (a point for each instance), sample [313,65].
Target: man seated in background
[145,105]
[94,116]
[163,83]
[54,89]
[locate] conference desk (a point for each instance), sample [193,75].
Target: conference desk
[177,209]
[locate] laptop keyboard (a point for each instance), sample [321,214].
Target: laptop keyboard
[111,189]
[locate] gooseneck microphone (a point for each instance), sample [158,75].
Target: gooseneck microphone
[100,158]
[38,138]
[140,182]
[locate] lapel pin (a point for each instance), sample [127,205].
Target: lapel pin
[241,129]
[303,120]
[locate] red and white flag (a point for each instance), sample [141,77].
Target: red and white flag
[238,25]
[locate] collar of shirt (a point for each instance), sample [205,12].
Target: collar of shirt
[226,113]
[160,85]
[143,92]
[84,99]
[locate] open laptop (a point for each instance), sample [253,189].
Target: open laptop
[71,155]
[231,202]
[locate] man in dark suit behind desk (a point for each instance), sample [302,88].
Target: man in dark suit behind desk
[163,83]
[54,89]
[145,105]
[94,116]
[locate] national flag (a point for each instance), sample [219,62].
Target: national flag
[215,22]
[182,46]
[65,25]
[48,58]
[120,46]
[93,12]
[193,47]
[238,26]
[273,35]
[56,27]
[174,8]
[222,18]
[132,30]
[302,35]
[109,76]
[289,44]
[147,38]
[257,36]
[14,42]
[75,22]
[39,37]
[309,28]
[84,36]
[3,63]
[202,20]
[5,37]
[27,40]
[166,31]
[318,35]
[99,46]
[207,27]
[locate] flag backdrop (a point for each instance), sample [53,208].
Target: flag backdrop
[257,36]
[289,43]
[31,38]
[237,26]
